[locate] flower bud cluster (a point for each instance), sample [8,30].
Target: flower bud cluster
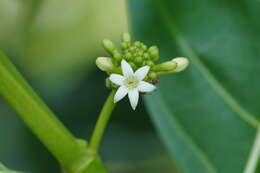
[137,54]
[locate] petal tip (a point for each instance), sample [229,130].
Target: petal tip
[115,101]
[134,108]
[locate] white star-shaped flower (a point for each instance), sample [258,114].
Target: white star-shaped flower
[131,83]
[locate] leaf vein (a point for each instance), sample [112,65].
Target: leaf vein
[217,87]
[171,119]
[254,155]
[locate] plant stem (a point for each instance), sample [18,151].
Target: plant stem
[72,153]
[37,116]
[102,122]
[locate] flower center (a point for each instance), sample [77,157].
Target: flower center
[131,82]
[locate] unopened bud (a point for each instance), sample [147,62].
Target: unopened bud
[152,75]
[166,66]
[108,45]
[144,47]
[181,62]
[124,45]
[138,60]
[117,55]
[105,64]
[146,56]
[137,44]
[150,63]
[128,55]
[126,37]
[154,53]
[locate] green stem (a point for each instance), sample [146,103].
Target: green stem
[68,150]
[102,122]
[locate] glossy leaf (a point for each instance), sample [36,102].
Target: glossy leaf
[3,169]
[207,116]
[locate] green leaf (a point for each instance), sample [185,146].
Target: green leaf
[3,169]
[153,165]
[207,116]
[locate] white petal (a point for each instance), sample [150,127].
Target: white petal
[133,96]
[142,72]
[117,79]
[126,68]
[120,93]
[145,87]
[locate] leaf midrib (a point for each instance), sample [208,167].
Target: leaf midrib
[254,154]
[186,137]
[216,86]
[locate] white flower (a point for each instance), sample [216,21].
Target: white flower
[131,83]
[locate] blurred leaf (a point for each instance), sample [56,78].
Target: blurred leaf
[56,42]
[207,115]
[9,10]
[3,169]
[65,40]
[153,165]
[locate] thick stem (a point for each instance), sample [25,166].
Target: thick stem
[72,153]
[37,116]
[102,122]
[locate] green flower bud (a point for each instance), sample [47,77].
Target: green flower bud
[154,53]
[140,53]
[132,49]
[128,55]
[108,45]
[181,62]
[152,75]
[150,63]
[137,44]
[137,55]
[105,64]
[166,66]
[124,45]
[138,60]
[126,37]
[146,56]
[144,47]
[117,55]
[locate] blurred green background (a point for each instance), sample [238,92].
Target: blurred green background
[54,44]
